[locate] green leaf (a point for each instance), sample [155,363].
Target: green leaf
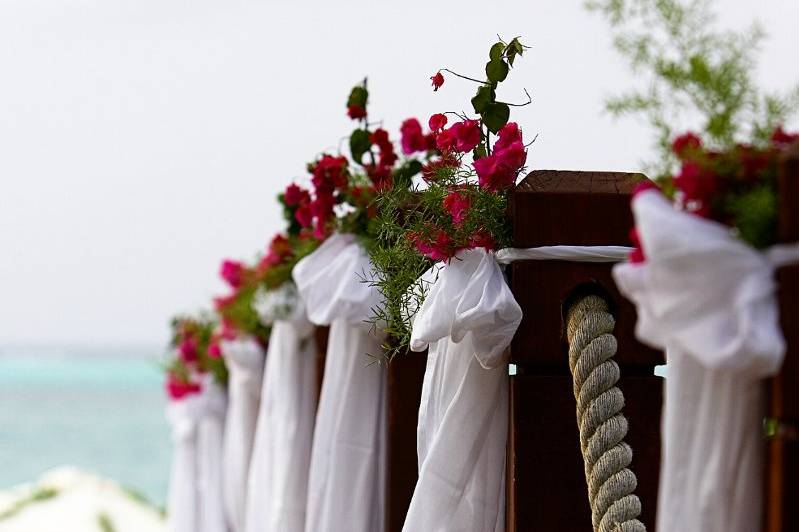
[485,95]
[480,151]
[496,51]
[404,174]
[359,144]
[497,70]
[496,115]
[358,96]
[514,48]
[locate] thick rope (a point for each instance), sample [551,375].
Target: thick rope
[614,507]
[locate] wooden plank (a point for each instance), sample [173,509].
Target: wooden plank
[541,289]
[547,489]
[782,462]
[552,207]
[404,392]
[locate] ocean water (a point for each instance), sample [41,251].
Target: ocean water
[101,410]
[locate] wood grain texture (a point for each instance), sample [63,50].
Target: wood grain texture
[782,458]
[404,392]
[546,480]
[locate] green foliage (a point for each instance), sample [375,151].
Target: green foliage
[358,96]
[359,144]
[755,213]
[692,73]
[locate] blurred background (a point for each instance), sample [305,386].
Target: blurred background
[140,142]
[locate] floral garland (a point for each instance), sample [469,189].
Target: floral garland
[196,352]
[470,168]
[736,187]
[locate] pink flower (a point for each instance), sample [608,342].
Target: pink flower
[356,112]
[438,246]
[438,81]
[457,205]
[437,122]
[494,173]
[686,144]
[178,389]
[467,135]
[232,272]
[214,349]
[188,349]
[446,141]
[481,239]
[412,139]
[509,134]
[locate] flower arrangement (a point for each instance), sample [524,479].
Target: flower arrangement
[469,169]
[736,187]
[195,353]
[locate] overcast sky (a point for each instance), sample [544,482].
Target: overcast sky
[143,141]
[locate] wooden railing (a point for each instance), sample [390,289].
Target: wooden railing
[546,488]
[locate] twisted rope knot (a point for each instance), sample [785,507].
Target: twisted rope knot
[589,329]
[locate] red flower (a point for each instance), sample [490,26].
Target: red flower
[686,144]
[329,174]
[232,272]
[303,215]
[380,176]
[509,134]
[412,137]
[380,138]
[481,239]
[320,230]
[437,122]
[178,389]
[438,81]
[279,250]
[697,186]
[294,195]
[356,112]
[214,349]
[188,349]
[437,246]
[781,138]
[467,135]
[457,205]
[446,141]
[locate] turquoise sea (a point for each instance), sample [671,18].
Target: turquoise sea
[101,410]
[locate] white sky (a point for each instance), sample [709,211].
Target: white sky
[143,141]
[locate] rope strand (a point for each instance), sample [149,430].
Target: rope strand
[614,507]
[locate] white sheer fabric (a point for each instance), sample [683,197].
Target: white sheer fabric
[278,480]
[708,300]
[244,358]
[346,482]
[195,495]
[468,319]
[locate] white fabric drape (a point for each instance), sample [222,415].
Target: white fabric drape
[276,495]
[708,300]
[467,319]
[195,494]
[244,358]
[346,481]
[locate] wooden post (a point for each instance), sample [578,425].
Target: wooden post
[404,394]
[782,464]
[546,480]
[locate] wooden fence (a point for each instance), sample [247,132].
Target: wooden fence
[546,488]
